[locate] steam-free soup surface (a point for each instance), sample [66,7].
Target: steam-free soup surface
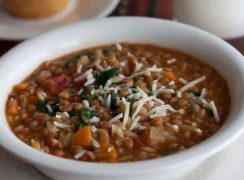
[117,103]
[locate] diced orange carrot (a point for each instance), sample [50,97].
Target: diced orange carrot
[13,107]
[106,152]
[82,137]
[171,75]
[21,87]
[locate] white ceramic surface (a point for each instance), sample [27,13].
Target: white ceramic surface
[221,166]
[224,18]
[13,28]
[216,52]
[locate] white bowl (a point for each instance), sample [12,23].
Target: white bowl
[23,59]
[223,18]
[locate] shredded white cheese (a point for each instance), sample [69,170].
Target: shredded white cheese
[108,101]
[126,114]
[94,119]
[214,110]
[159,114]
[161,111]
[116,130]
[183,81]
[134,123]
[140,73]
[193,83]
[204,102]
[116,118]
[140,104]
[117,101]
[191,128]
[135,95]
[95,143]
[203,93]
[140,127]
[86,103]
[151,104]
[154,86]
[170,91]
[93,108]
[116,90]
[138,66]
[80,91]
[122,64]
[147,72]
[123,100]
[119,47]
[108,83]
[61,125]
[62,115]
[179,94]
[49,108]
[93,128]
[41,95]
[89,76]
[171,83]
[154,69]
[108,67]
[79,68]
[98,66]
[171,61]
[89,82]
[58,116]
[117,79]
[158,100]
[80,154]
[93,91]
[83,76]
[143,93]
[160,89]
[101,99]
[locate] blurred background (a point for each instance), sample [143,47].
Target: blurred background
[216,16]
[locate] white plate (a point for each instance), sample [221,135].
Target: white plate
[13,28]
[224,166]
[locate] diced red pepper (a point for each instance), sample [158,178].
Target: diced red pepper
[56,84]
[79,84]
[75,98]
[50,142]
[138,143]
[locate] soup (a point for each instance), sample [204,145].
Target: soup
[118,103]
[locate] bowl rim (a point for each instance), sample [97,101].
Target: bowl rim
[205,149]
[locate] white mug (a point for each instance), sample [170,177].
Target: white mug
[224,18]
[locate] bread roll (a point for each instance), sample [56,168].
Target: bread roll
[34,9]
